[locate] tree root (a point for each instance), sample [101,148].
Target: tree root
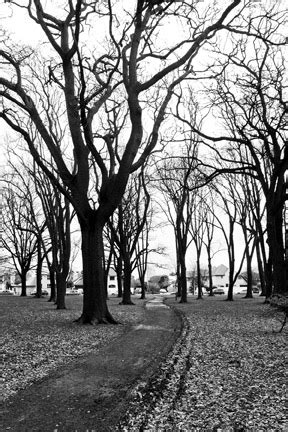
[108,319]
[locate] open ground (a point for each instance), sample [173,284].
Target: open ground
[223,369]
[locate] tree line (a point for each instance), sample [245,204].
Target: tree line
[110,116]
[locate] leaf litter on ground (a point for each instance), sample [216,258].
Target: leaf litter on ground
[227,372]
[35,338]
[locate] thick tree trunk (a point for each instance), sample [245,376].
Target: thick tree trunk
[260,269]
[95,308]
[231,283]
[183,279]
[23,277]
[52,286]
[119,270]
[178,269]
[276,248]
[143,287]
[231,260]
[269,277]
[126,299]
[61,278]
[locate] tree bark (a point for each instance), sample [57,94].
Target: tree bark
[249,293]
[39,269]
[126,299]
[52,286]
[183,279]
[231,260]
[61,278]
[23,277]
[95,308]
[210,272]
[276,247]
[199,296]
[260,268]
[143,287]
[119,269]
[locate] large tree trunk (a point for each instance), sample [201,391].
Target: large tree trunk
[95,308]
[231,279]
[119,270]
[249,293]
[260,269]
[183,278]
[126,300]
[231,260]
[276,248]
[143,286]
[61,278]
[269,277]
[23,277]
[52,286]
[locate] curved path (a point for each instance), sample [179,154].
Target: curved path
[92,394]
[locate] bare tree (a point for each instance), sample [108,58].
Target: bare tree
[197,230]
[176,177]
[127,225]
[84,81]
[250,95]
[19,237]
[56,208]
[209,221]
[226,193]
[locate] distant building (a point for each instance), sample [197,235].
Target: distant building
[112,285]
[220,277]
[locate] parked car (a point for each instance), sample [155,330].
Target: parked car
[44,293]
[242,292]
[72,291]
[137,290]
[255,290]
[218,291]
[6,292]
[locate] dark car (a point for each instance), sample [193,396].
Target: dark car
[43,293]
[218,291]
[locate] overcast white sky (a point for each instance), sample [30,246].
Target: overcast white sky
[25,30]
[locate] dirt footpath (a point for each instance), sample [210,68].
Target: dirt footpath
[93,393]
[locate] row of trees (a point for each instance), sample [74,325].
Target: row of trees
[91,115]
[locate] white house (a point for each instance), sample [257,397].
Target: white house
[112,285]
[31,284]
[220,275]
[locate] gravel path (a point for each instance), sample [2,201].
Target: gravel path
[227,372]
